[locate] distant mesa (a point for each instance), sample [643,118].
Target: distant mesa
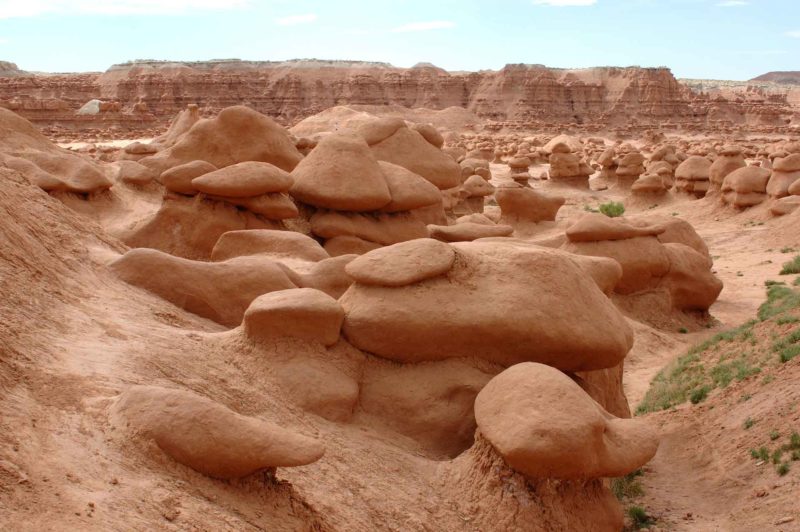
[791,77]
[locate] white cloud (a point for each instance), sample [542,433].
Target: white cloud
[732,3]
[296,19]
[3,40]
[562,3]
[31,8]
[795,34]
[424,26]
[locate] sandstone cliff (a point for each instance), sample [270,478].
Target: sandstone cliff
[146,94]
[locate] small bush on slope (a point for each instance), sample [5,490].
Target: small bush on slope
[739,355]
[613,209]
[793,266]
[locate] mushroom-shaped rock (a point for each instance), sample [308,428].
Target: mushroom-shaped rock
[468,231]
[244,180]
[643,259]
[523,204]
[303,313]
[402,264]
[237,134]
[568,167]
[273,243]
[411,150]
[786,205]
[728,160]
[407,189]
[209,437]
[274,205]
[501,301]
[179,178]
[430,133]
[382,228]
[545,426]
[785,172]
[571,143]
[60,171]
[476,186]
[594,227]
[630,167]
[691,283]
[649,185]
[133,173]
[691,176]
[374,131]
[675,230]
[341,174]
[220,291]
[746,186]
[140,148]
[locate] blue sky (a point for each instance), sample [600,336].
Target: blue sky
[719,39]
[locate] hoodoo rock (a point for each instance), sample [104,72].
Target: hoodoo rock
[390,140]
[209,437]
[692,176]
[274,244]
[341,174]
[728,160]
[746,186]
[503,302]
[785,172]
[220,291]
[237,134]
[179,178]
[24,149]
[525,205]
[545,426]
[243,180]
[403,264]
[303,313]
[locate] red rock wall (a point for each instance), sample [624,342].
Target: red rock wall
[150,93]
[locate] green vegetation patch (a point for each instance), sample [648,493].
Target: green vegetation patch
[613,209]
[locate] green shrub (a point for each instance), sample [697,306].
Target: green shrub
[613,209]
[774,435]
[789,353]
[761,454]
[699,394]
[749,422]
[776,456]
[793,266]
[627,486]
[780,299]
[640,517]
[783,468]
